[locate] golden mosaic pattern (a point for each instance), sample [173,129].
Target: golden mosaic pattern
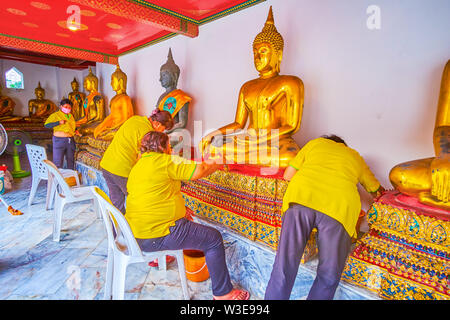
[404,256]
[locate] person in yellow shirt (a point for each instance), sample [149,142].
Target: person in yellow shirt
[122,153]
[322,193]
[156,211]
[63,125]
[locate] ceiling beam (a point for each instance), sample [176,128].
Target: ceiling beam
[132,10]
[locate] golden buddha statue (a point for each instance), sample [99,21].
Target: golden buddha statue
[94,106]
[428,179]
[6,107]
[40,108]
[273,103]
[77,99]
[120,106]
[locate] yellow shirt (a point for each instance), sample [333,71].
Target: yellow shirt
[326,181]
[68,127]
[154,200]
[122,153]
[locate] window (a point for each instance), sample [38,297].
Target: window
[14,78]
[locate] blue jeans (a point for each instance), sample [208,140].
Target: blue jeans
[333,244]
[64,147]
[186,234]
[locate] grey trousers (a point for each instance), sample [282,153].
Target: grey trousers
[117,186]
[64,147]
[186,234]
[333,245]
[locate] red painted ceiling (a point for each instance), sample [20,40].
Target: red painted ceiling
[107,29]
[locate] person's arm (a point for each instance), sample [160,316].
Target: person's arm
[51,124]
[368,180]
[204,169]
[289,173]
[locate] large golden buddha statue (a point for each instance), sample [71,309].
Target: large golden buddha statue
[6,106]
[77,99]
[429,179]
[94,106]
[40,108]
[272,103]
[121,107]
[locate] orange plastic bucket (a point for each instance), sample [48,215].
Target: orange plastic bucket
[195,264]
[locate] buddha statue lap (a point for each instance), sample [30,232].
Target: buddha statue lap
[40,108]
[273,103]
[77,99]
[7,108]
[428,179]
[94,106]
[121,108]
[174,101]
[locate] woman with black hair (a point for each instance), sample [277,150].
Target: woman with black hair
[322,193]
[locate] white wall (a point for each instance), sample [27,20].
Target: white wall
[56,82]
[378,89]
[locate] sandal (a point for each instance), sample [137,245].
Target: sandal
[154,263]
[236,294]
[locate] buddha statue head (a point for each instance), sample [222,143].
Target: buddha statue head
[169,73]
[39,92]
[91,82]
[119,80]
[268,48]
[74,84]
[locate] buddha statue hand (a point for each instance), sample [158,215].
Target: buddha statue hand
[440,175]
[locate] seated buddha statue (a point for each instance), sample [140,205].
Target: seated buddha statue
[93,105]
[40,108]
[174,100]
[77,99]
[428,179]
[272,103]
[6,108]
[121,107]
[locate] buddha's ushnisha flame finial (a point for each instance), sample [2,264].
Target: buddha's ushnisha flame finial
[170,65]
[270,34]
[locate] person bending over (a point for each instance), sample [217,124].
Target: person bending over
[122,153]
[322,193]
[155,210]
[63,125]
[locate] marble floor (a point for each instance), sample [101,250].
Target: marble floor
[34,267]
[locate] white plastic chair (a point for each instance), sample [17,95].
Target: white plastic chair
[39,172]
[124,250]
[65,195]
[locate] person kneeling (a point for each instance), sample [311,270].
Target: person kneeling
[155,210]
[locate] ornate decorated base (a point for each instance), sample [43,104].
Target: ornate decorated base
[244,200]
[406,253]
[35,129]
[91,150]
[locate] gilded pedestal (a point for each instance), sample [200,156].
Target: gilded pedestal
[406,253]
[244,201]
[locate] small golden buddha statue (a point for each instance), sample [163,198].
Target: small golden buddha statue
[77,99]
[94,106]
[273,103]
[40,108]
[120,106]
[174,100]
[429,179]
[6,107]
